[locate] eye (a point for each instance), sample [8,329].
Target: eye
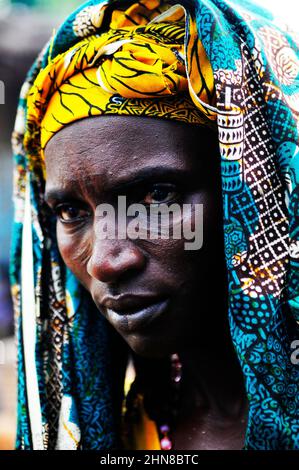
[161,194]
[70,213]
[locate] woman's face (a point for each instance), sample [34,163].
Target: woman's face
[159,296]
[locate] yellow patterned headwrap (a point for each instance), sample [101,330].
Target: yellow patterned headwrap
[139,66]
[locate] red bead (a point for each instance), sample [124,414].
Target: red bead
[166,444]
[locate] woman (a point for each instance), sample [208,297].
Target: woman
[136,100]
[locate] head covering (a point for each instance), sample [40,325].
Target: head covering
[133,64]
[64,391]
[130,69]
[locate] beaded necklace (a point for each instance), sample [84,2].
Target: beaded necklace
[166,440]
[162,410]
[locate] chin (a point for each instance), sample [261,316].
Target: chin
[148,347]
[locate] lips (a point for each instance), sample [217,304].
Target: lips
[132,313]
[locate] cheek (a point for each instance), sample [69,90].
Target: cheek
[75,250]
[169,260]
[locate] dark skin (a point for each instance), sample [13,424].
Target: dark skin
[93,161]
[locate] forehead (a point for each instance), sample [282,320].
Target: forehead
[115,147]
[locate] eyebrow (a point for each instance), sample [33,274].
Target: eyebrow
[150,174]
[57,194]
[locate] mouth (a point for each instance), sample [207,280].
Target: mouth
[129,314]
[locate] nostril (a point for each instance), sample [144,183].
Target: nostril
[107,266]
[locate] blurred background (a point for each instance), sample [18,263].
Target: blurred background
[25,26]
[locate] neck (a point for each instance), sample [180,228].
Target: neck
[212,407]
[212,382]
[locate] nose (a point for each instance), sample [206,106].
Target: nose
[111,259]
